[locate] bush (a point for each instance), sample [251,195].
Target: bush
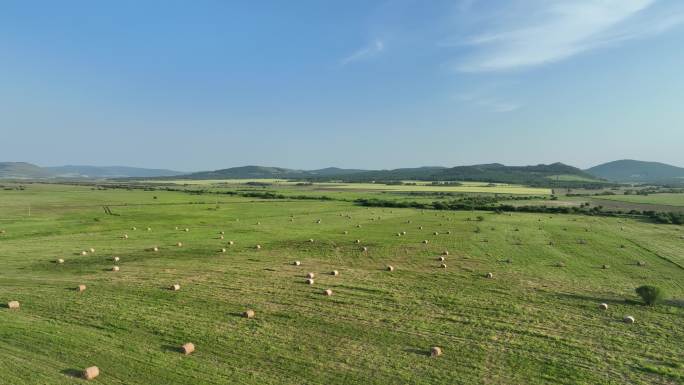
[650,294]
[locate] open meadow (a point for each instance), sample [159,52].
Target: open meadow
[534,320]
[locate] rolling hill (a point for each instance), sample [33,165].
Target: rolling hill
[635,171]
[23,170]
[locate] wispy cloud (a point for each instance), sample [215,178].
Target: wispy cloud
[490,103]
[530,33]
[370,50]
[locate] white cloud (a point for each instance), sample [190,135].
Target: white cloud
[489,103]
[372,49]
[536,32]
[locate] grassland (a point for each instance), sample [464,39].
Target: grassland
[652,199]
[533,323]
[409,186]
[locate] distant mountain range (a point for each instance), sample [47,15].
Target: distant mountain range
[635,171]
[22,170]
[556,174]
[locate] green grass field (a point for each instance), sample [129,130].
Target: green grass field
[532,323]
[652,199]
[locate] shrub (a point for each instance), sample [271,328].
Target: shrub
[650,294]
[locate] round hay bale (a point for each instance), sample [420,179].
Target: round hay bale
[80,288]
[357,241]
[60,261]
[258,247]
[231,243]
[179,244]
[115,268]
[174,287]
[628,319]
[223,250]
[92,250]
[403,233]
[309,281]
[187,348]
[328,292]
[222,232]
[435,233]
[390,268]
[134,228]
[155,249]
[318,221]
[364,249]
[84,253]
[310,275]
[425,242]
[441,258]
[420,227]
[311,240]
[149,229]
[442,266]
[116,259]
[248,313]
[221,237]
[334,273]
[13,305]
[641,263]
[90,373]
[445,252]
[345,232]
[435,351]
[186,229]
[448,232]
[398,234]
[258,223]
[603,306]
[489,275]
[604,267]
[296,263]
[125,236]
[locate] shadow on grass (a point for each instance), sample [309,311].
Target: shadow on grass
[614,301]
[172,348]
[76,373]
[674,302]
[420,352]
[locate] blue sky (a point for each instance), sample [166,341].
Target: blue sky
[197,85]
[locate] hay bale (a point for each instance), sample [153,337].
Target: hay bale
[318,221]
[445,252]
[133,228]
[435,233]
[149,229]
[60,261]
[390,268]
[176,227]
[179,244]
[90,373]
[442,266]
[258,247]
[221,237]
[92,250]
[248,313]
[628,319]
[296,263]
[603,306]
[489,275]
[448,232]
[441,258]
[231,243]
[357,241]
[420,227]
[84,253]
[174,287]
[435,351]
[641,263]
[311,240]
[310,275]
[125,236]
[186,229]
[327,292]
[604,267]
[13,305]
[309,281]
[187,348]
[258,223]
[222,232]
[155,249]
[115,268]
[334,273]
[80,288]
[223,250]
[403,233]
[425,241]
[116,259]
[364,249]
